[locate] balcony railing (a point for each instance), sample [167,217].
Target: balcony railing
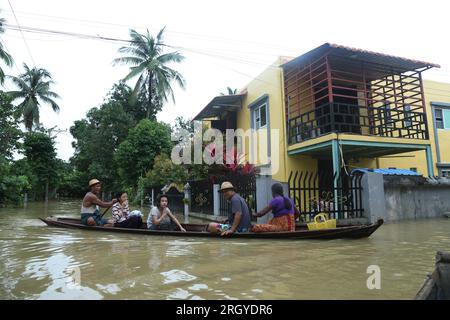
[347,118]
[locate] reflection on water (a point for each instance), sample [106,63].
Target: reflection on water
[39,262]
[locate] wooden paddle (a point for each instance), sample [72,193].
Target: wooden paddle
[105,212]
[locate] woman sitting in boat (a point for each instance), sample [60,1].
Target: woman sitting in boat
[160,217]
[283,210]
[121,213]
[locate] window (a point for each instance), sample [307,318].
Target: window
[260,116]
[413,169]
[445,173]
[439,120]
[407,115]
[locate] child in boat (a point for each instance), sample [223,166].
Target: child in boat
[283,210]
[161,218]
[121,213]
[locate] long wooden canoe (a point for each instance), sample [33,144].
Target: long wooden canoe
[437,284]
[198,230]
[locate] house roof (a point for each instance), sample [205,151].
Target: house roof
[220,104]
[388,172]
[362,55]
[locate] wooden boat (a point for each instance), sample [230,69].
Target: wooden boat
[437,284]
[199,230]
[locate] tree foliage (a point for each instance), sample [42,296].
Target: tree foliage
[34,88]
[39,150]
[165,171]
[135,156]
[10,133]
[4,56]
[147,60]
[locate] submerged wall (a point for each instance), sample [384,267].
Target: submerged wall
[396,198]
[416,197]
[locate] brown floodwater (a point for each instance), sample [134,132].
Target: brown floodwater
[40,262]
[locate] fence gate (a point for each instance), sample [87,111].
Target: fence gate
[202,198]
[314,193]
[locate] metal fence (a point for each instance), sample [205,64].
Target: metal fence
[348,118]
[315,193]
[245,186]
[202,198]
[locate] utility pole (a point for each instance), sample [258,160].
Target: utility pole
[56,130]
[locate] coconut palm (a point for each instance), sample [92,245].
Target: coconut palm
[147,60]
[34,88]
[4,56]
[229,92]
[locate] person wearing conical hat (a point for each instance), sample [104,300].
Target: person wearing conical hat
[238,218]
[90,207]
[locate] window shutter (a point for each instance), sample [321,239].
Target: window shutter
[446,116]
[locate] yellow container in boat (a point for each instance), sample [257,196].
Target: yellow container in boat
[321,221]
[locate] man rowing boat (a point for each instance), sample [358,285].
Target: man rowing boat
[90,211]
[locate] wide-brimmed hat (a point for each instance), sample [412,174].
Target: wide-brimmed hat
[226,186]
[93,181]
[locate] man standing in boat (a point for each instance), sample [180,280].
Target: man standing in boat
[90,212]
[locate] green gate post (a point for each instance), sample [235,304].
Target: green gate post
[429,162]
[336,172]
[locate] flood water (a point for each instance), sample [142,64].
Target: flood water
[40,262]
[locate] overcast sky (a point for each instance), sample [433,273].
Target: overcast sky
[226,43]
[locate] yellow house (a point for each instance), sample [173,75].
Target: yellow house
[336,108]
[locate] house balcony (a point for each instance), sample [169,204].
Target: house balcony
[370,102]
[357,119]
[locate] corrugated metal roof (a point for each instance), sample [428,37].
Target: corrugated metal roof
[365,55]
[333,45]
[388,172]
[219,104]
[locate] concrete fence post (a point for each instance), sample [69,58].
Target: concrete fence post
[264,195]
[216,199]
[187,199]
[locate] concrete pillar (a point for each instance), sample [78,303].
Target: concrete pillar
[216,199]
[336,157]
[153,198]
[430,165]
[373,197]
[187,197]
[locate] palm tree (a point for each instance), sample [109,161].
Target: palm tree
[147,60]
[4,56]
[229,92]
[34,88]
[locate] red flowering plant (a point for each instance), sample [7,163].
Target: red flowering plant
[233,164]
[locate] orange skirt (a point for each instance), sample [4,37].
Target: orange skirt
[283,223]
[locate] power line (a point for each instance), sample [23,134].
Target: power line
[64,33]
[179,33]
[23,37]
[113,39]
[237,59]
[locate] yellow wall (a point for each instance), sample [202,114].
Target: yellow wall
[270,82]
[439,92]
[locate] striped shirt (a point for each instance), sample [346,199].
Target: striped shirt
[120,212]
